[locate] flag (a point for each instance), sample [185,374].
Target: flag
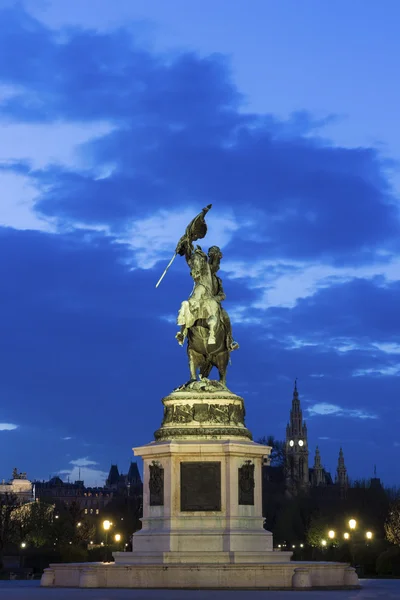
[196,230]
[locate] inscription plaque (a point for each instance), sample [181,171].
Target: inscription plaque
[200,486]
[156,485]
[246,484]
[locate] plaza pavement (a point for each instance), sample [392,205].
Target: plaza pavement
[30,590]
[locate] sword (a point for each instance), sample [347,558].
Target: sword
[166,269]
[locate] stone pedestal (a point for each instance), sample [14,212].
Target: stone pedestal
[202,509]
[203,505]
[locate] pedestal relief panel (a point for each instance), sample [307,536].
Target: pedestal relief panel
[156,484]
[200,486]
[246,483]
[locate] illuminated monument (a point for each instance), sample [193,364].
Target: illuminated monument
[202,506]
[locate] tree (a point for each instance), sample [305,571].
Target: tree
[278,452]
[125,513]
[8,525]
[72,527]
[34,523]
[317,531]
[392,524]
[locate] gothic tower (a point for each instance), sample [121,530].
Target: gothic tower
[297,476]
[341,475]
[318,471]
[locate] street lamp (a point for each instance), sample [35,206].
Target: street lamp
[346,536]
[21,554]
[323,542]
[368,535]
[106,527]
[331,534]
[352,523]
[117,537]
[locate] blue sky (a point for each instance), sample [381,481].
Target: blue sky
[118,123]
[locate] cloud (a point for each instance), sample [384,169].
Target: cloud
[154,238]
[17,206]
[91,477]
[83,470]
[8,426]
[83,462]
[59,142]
[325,409]
[67,438]
[384,371]
[243,315]
[285,283]
[169,148]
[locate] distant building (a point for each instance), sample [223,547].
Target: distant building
[129,484]
[298,475]
[296,467]
[92,500]
[18,486]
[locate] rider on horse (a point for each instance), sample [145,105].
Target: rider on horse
[205,300]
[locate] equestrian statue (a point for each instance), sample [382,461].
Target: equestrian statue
[204,323]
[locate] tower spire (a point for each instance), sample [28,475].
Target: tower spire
[341,474]
[296,446]
[318,471]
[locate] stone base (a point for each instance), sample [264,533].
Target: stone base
[197,558]
[277,575]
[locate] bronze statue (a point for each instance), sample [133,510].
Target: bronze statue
[204,322]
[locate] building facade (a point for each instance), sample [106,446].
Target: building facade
[92,500]
[18,486]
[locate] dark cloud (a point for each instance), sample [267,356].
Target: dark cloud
[361,310]
[180,134]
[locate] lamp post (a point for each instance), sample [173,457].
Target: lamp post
[117,538]
[106,527]
[21,554]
